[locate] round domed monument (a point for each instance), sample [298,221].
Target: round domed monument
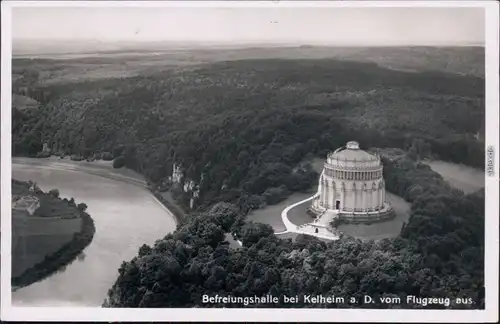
[352,186]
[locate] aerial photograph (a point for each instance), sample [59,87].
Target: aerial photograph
[248,157]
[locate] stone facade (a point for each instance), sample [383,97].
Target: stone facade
[352,184]
[187,185]
[176,174]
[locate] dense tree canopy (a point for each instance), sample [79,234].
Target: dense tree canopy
[260,119]
[439,254]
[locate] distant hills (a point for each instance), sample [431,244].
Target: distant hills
[46,47]
[464,60]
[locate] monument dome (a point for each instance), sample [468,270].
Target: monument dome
[351,187]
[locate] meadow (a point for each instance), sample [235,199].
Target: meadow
[35,248]
[54,227]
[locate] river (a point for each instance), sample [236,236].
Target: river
[125,216]
[459,176]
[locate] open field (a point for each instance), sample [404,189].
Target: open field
[99,168]
[45,226]
[36,248]
[131,62]
[24,102]
[36,237]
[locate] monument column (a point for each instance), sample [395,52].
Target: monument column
[363,197]
[331,193]
[355,194]
[324,196]
[342,200]
[383,194]
[380,200]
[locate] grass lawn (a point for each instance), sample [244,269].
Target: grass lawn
[37,247]
[272,214]
[298,215]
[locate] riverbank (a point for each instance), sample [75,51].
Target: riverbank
[125,216]
[166,199]
[65,255]
[105,169]
[41,241]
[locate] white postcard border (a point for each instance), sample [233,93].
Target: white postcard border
[490,314]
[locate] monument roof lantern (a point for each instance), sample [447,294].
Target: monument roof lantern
[352,145]
[352,152]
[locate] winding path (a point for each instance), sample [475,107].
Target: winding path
[292,228]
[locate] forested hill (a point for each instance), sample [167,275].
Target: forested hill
[237,121]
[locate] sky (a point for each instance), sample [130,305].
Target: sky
[326,26]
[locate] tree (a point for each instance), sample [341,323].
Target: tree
[251,233]
[107,156]
[413,192]
[413,153]
[82,207]
[119,162]
[118,151]
[54,193]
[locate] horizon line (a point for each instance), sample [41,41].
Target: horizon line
[255,42]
